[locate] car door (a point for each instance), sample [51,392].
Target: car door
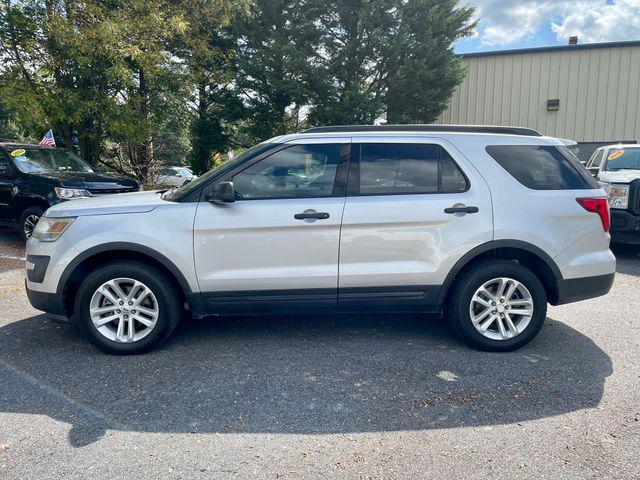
[415,206]
[276,247]
[7,181]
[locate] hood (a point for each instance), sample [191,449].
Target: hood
[137,202]
[619,176]
[90,180]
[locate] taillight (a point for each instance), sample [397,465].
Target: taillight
[599,206]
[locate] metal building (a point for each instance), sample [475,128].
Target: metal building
[589,93]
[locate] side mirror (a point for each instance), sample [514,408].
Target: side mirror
[594,171]
[223,192]
[3,169]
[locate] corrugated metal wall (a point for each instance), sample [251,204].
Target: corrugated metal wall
[598,89]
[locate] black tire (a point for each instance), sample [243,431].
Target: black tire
[163,287]
[466,286]
[29,213]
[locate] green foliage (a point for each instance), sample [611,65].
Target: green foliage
[276,65]
[389,59]
[208,48]
[149,82]
[421,70]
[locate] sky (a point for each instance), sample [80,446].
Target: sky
[507,24]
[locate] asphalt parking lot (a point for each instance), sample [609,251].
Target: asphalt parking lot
[323,397]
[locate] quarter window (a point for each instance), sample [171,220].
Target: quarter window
[405,168]
[597,159]
[542,167]
[299,171]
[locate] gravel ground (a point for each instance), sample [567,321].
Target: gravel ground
[323,397]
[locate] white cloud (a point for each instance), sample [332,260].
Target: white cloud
[503,22]
[619,21]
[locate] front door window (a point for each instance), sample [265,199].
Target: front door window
[298,171]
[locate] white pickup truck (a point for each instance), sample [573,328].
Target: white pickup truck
[617,168]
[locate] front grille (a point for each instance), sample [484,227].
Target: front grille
[109,191]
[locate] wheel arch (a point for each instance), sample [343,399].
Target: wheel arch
[92,258]
[22,203]
[527,254]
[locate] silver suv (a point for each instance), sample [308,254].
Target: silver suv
[485,224]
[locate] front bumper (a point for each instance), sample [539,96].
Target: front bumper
[576,289]
[625,226]
[52,303]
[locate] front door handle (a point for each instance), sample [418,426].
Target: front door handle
[461,209]
[307,214]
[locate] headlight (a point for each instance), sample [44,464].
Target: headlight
[618,196]
[49,229]
[71,193]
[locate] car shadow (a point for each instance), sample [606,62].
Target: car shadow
[306,375]
[628,258]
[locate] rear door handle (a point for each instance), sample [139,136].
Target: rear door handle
[461,209]
[311,214]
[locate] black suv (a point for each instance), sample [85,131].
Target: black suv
[33,178]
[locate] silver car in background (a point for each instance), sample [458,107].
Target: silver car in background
[173,176]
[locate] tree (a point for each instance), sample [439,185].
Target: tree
[352,36]
[421,71]
[277,66]
[388,58]
[207,47]
[101,69]
[17,119]
[61,56]
[142,82]
[150,92]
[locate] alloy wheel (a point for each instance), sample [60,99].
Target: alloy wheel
[124,310]
[30,224]
[501,308]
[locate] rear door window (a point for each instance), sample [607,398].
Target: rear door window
[405,168]
[542,167]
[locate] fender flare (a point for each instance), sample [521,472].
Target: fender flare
[492,246]
[123,247]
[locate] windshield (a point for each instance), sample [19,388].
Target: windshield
[176,193]
[623,159]
[43,160]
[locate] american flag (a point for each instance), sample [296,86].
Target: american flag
[48,140]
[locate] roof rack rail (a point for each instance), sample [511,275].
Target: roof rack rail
[427,128]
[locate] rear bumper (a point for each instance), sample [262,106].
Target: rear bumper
[625,227]
[51,303]
[576,289]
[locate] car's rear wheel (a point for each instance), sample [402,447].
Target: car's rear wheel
[127,307]
[28,221]
[497,305]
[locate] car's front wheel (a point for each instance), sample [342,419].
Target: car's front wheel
[498,305]
[28,221]
[127,307]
